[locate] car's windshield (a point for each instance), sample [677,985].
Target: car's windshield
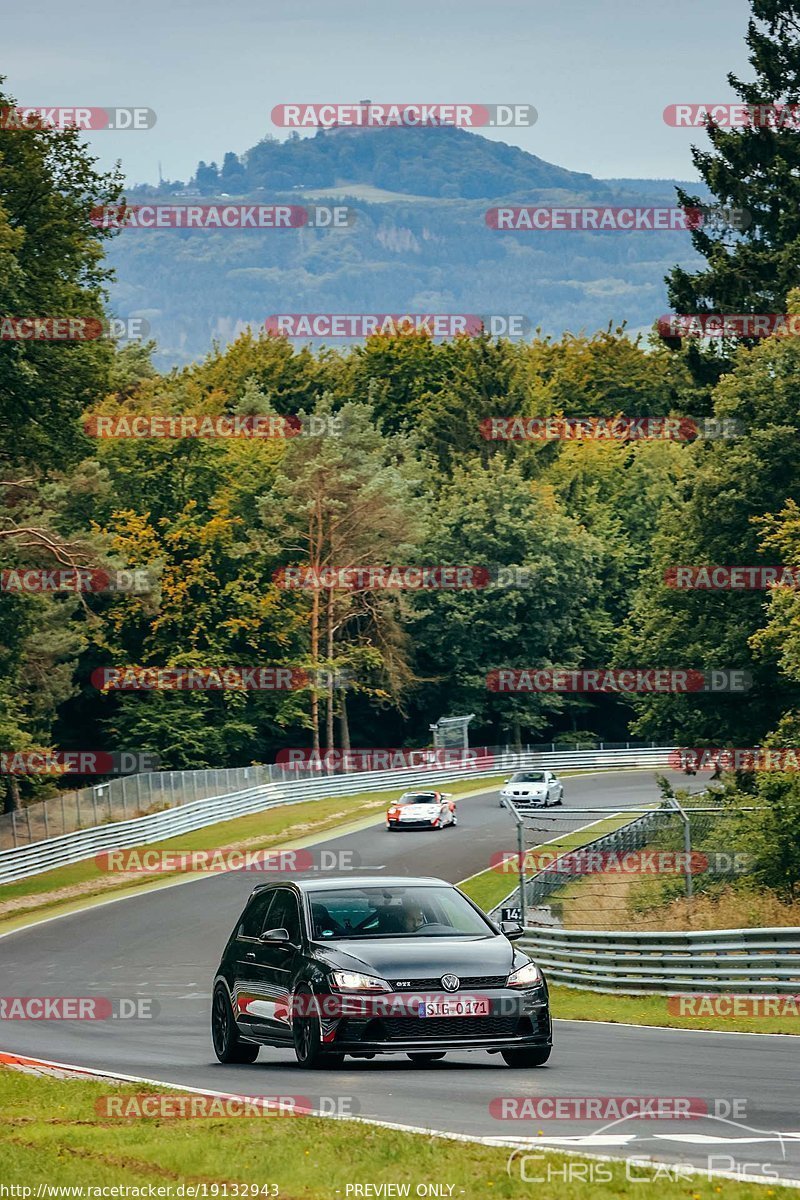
[389,912]
[528,777]
[418,798]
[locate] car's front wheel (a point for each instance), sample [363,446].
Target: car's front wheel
[307,1037]
[422,1058]
[535,1057]
[227,1045]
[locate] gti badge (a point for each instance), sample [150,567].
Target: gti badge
[451,983]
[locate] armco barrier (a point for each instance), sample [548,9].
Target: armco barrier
[743,961]
[44,855]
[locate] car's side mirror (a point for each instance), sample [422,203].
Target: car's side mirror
[275,935]
[512,930]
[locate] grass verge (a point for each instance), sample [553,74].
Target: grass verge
[490,887]
[578,1005]
[289,826]
[51,1135]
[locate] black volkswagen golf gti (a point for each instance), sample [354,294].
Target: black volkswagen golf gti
[376,966]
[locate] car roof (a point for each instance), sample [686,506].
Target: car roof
[356,881]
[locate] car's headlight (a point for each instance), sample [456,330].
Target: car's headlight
[527,976]
[353,981]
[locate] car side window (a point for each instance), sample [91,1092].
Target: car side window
[284,914]
[252,922]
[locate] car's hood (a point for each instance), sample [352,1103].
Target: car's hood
[529,789]
[424,958]
[419,810]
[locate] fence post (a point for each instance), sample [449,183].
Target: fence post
[94,805]
[46,823]
[521,849]
[63,815]
[14,827]
[28,816]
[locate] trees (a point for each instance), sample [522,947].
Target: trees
[348,501]
[728,491]
[757,169]
[51,264]
[491,516]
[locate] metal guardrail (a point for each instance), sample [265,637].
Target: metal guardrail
[130,796]
[44,855]
[742,961]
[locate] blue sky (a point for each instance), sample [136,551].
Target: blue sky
[599,74]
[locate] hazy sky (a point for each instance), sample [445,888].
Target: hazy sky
[599,74]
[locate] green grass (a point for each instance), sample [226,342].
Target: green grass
[289,826]
[492,886]
[51,1134]
[579,1005]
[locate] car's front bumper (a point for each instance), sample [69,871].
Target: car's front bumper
[517,1019]
[414,824]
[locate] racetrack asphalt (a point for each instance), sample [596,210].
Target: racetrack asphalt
[164,946]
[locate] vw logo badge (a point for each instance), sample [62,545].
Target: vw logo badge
[451,983]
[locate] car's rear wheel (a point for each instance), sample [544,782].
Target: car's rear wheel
[227,1045]
[307,1037]
[422,1058]
[535,1057]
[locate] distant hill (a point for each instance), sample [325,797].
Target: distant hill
[419,243]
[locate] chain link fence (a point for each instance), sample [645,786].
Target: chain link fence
[609,880]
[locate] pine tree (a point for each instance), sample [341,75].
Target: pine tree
[755,168]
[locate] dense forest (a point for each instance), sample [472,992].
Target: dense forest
[388,464]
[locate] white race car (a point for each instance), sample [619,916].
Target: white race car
[528,788]
[422,810]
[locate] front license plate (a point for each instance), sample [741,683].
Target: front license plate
[454,1008]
